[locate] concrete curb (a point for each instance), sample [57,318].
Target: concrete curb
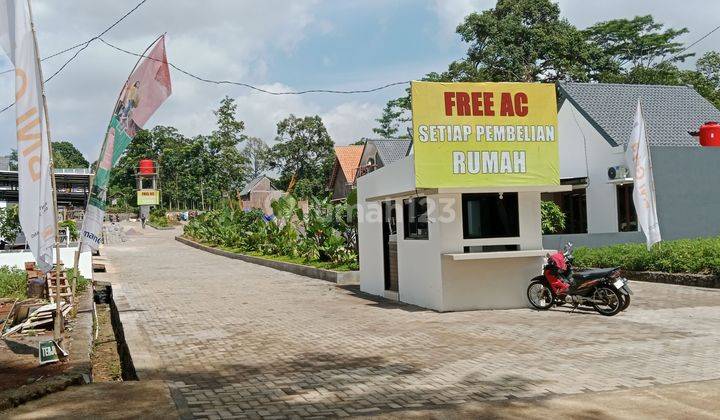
[160,228]
[80,369]
[338,277]
[682,279]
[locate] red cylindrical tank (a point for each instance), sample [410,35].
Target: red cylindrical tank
[710,134]
[147,167]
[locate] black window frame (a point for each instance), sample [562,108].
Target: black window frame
[514,232]
[413,219]
[626,213]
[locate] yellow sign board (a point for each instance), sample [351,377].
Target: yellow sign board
[485,134]
[148,197]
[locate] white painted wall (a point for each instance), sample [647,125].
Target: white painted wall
[67,256]
[419,275]
[399,176]
[576,134]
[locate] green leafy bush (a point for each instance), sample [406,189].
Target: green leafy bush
[71,226]
[316,237]
[700,256]
[552,218]
[13,283]
[9,223]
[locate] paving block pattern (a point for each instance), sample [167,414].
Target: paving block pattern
[237,340]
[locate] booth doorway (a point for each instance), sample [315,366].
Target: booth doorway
[389,240]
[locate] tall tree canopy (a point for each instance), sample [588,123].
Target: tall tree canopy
[194,172]
[257,155]
[303,154]
[528,41]
[66,155]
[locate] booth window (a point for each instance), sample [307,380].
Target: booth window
[490,215]
[415,221]
[627,218]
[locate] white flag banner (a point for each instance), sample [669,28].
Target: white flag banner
[35,187]
[638,160]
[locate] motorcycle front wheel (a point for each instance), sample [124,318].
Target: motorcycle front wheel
[539,295]
[607,301]
[625,301]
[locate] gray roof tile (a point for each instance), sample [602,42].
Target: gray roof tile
[391,150]
[670,111]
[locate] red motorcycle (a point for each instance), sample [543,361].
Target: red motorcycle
[603,289]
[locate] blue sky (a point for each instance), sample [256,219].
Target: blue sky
[277,44]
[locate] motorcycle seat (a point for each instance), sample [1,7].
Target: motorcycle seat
[597,273]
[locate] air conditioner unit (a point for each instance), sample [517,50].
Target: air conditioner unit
[618,172]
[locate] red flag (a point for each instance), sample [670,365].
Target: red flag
[146,89]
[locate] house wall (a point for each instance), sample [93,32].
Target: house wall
[341,189]
[687,191]
[688,200]
[576,135]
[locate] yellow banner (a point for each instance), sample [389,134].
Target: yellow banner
[148,197]
[485,134]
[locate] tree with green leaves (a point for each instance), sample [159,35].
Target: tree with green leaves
[13,160]
[390,122]
[523,41]
[256,154]
[229,175]
[304,155]
[638,42]
[66,155]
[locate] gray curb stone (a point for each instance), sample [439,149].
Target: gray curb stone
[338,277]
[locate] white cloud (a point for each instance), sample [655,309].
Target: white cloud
[346,122]
[219,39]
[451,13]
[351,121]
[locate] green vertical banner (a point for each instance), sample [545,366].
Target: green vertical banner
[145,90]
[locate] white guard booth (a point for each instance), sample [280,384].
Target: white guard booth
[440,231]
[435,263]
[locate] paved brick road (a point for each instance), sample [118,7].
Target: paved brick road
[236,339]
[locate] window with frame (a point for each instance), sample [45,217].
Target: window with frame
[574,205]
[415,220]
[490,215]
[627,217]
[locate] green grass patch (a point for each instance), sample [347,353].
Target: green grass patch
[13,283]
[698,256]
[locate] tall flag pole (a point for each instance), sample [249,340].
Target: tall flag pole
[144,91]
[36,179]
[638,160]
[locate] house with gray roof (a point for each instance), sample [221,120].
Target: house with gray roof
[382,152]
[594,124]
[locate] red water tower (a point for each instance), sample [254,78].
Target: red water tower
[146,167]
[710,134]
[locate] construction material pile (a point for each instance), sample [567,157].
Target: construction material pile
[36,315]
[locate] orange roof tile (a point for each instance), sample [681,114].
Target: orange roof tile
[349,158]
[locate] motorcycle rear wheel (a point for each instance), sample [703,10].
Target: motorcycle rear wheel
[612,301]
[539,295]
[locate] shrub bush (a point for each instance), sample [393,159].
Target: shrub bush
[552,219]
[13,283]
[701,256]
[315,237]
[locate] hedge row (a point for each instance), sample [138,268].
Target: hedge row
[701,256]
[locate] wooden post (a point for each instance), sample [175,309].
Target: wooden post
[59,325]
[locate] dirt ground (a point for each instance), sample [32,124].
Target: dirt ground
[104,358]
[19,363]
